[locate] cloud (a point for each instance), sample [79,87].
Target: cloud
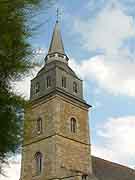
[107,31]
[114,76]
[117,135]
[12,171]
[113,71]
[22,87]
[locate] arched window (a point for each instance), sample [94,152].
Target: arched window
[75,87]
[37,87]
[38,159]
[39,126]
[64,84]
[73,125]
[48,81]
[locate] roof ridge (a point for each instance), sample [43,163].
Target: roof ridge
[115,163]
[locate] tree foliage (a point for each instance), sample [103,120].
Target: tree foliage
[14,62]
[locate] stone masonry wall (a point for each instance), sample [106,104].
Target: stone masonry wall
[64,153]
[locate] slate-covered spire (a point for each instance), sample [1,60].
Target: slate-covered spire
[56,45]
[56,50]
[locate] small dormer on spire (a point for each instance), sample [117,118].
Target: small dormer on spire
[56,50]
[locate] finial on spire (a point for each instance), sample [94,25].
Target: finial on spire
[58,15]
[56,45]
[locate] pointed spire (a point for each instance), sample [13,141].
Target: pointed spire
[56,45]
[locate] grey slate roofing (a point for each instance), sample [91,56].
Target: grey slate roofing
[56,42]
[58,64]
[106,170]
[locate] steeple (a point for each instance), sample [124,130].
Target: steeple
[56,45]
[56,136]
[56,50]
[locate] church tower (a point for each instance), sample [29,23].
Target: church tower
[56,131]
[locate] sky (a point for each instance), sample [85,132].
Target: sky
[99,39]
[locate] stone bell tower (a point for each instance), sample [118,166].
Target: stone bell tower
[56,131]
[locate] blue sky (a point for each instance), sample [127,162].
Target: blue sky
[99,38]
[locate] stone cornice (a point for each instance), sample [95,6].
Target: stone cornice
[53,135]
[64,95]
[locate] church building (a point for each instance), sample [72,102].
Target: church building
[56,129]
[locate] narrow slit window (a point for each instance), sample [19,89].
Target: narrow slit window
[64,83]
[38,159]
[49,82]
[39,126]
[37,87]
[75,87]
[73,125]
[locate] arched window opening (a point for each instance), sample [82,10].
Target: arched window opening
[38,158]
[75,87]
[49,82]
[64,84]
[39,126]
[37,87]
[73,125]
